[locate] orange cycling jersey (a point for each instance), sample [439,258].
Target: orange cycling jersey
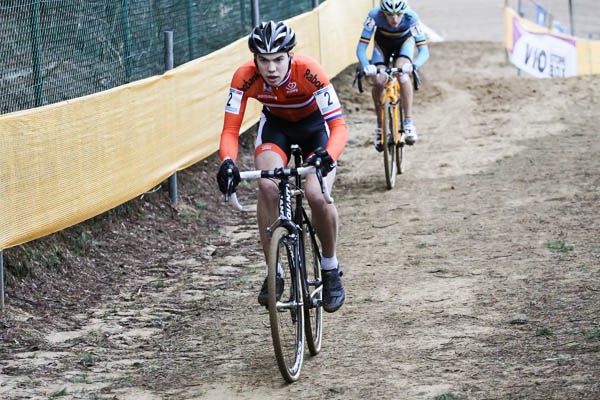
[304,90]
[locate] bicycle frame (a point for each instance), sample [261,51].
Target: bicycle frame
[391,92]
[391,115]
[291,217]
[287,243]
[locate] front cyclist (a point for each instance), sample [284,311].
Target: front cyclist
[397,31]
[300,106]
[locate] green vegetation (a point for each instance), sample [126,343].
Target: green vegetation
[87,360]
[594,334]
[560,246]
[449,396]
[58,393]
[544,331]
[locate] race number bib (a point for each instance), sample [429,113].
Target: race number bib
[327,100]
[369,24]
[417,30]
[234,100]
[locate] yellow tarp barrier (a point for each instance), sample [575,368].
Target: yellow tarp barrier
[64,163]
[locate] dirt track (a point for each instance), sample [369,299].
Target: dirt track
[476,277]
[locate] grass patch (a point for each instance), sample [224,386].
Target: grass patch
[87,360]
[545,332]
[449,396]
[559,246]
[594,335]
[58,393]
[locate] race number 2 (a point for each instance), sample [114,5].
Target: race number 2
[234,100]
[327,100]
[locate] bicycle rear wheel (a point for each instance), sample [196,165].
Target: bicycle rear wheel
[389,145]
[286,315]
[313,302]
[401,146]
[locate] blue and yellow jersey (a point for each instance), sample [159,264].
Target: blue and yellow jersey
[409,26]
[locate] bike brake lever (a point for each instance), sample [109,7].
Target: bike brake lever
[319,175]
[416,79]
[358,79]
[228,192]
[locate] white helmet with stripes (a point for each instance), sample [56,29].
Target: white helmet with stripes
[393,6]
[271,37]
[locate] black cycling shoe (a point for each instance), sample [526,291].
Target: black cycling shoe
[333,289]
[377,140]
[263,296]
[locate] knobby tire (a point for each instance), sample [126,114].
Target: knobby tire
[389,144]
[286,315]
[313,308]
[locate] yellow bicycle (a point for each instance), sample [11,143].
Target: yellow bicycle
[392,122]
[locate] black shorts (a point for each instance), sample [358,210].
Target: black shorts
[308,133]
[393,47]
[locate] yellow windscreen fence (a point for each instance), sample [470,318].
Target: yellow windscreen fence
[67,162]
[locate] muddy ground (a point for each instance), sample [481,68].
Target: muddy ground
[476,277]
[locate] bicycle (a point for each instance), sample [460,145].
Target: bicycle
[392,118]
[294,251]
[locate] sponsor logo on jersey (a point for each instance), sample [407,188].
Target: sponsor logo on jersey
[249,83]
[291,87]
[266,96]
[314,79]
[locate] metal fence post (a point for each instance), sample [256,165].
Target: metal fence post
[169,66]
[255,13]
[190,29]
[1,281]
[126,38]
[520,9]
[571,21]
[36,53]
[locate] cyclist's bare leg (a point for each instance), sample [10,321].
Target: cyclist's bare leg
[268,196]
[378,82]
[407,88]
[324,215]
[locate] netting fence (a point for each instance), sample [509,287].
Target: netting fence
[579,18]
[55,50]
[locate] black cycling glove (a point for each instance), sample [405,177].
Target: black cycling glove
[326,163]
[228,170]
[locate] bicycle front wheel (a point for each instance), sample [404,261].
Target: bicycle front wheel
[389,143]
[286,314]
[401,157]
[313,300]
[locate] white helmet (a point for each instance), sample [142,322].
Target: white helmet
[271,37]
[393,6]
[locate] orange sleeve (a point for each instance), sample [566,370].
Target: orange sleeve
[338,136]
[234,114]
[228,147]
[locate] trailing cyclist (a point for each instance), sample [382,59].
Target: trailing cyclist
[300,106]
[398,31]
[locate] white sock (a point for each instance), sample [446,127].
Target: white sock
[328,263]
[279,269]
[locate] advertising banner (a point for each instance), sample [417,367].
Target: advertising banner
[543,54]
